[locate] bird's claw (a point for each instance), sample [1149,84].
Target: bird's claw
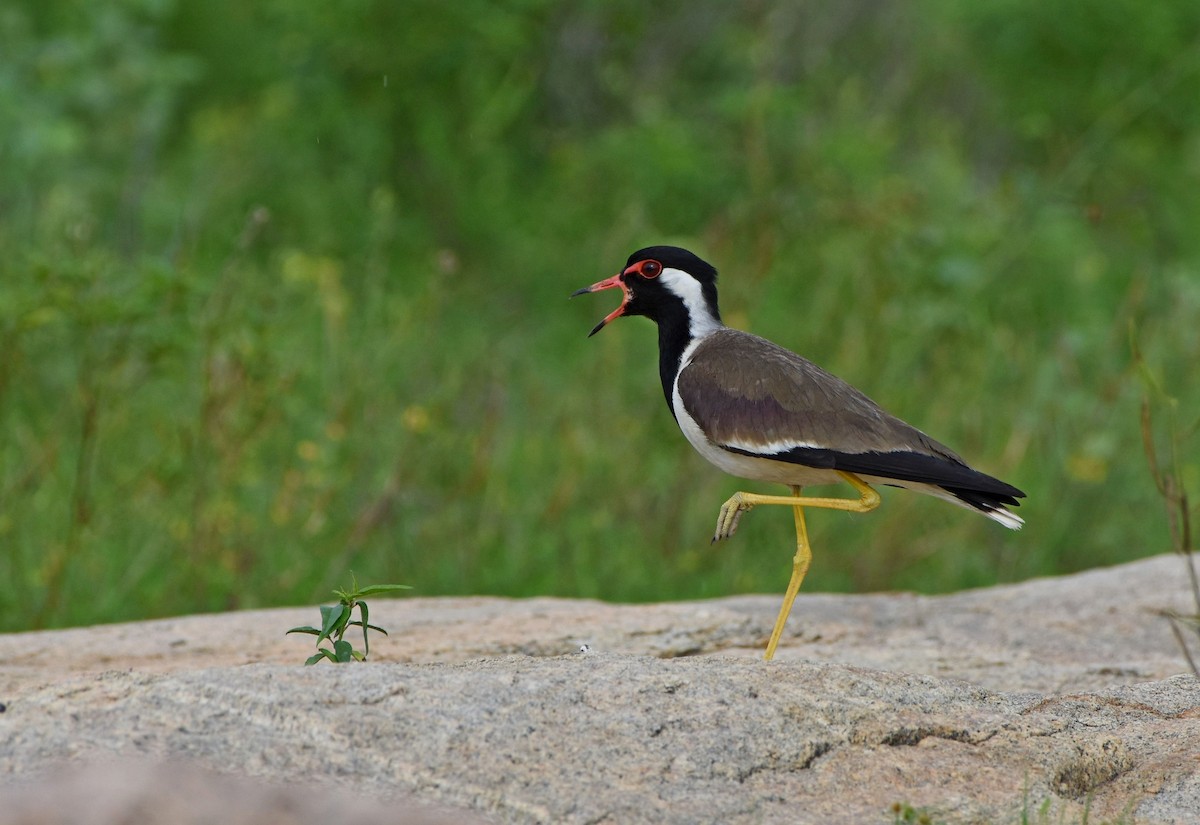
[730,515]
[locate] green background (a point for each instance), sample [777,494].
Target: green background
[283,286]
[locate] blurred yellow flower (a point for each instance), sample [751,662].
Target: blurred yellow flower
[415,418]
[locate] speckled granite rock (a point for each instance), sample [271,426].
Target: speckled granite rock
[975,706]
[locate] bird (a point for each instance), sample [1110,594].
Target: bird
[761,412]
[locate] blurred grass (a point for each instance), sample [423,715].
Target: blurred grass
[283,288]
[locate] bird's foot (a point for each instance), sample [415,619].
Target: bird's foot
[730,515]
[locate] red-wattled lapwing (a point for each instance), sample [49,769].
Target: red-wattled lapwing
[761,412]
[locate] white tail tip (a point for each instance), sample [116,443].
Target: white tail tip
[1010,520]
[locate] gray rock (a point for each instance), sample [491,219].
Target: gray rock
[1057,695]
[142,792]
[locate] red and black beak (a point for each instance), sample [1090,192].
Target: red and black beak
[608,283]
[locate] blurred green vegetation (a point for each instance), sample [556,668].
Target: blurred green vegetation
[283,286]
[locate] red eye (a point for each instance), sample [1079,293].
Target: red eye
[650,269]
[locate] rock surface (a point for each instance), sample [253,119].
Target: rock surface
[977,707]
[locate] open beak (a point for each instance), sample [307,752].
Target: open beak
[608,283]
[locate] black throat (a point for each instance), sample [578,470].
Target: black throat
[674,335]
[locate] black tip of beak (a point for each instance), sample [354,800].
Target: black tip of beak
[583,291]
[597,328]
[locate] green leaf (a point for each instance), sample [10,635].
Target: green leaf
[331,615]
[328,617]
[372,626]
[371,590]
[311,630]
[343,650]
[358,656]
[344,621]
[318,656]
[362,611]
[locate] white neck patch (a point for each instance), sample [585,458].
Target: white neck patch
[700,319]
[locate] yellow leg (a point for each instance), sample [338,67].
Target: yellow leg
[731,513]
[800,564]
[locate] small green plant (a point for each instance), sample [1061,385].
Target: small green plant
[335,621]
[904,814]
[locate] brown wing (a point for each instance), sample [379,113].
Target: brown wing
[754,397]
[747,392]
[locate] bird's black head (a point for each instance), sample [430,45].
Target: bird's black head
[661,282]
